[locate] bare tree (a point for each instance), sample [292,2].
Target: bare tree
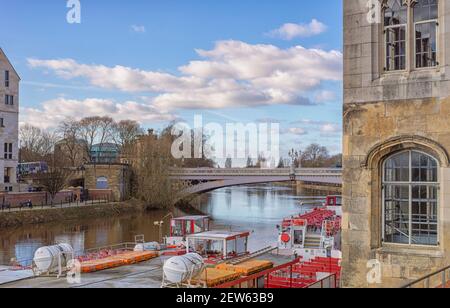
[125,133]
[262,161]
[296,158]
[195,161]
[95,130]
[151,167]
[55,179]
[250,163]
[229,163]
[315,155]
[35,143]
[72,147]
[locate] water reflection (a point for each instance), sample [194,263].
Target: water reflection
[252,208]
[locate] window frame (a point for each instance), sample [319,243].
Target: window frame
[415,43]
[7,79]
[9,100]
[410,184]
[410,40]
[8,151]
[385,29]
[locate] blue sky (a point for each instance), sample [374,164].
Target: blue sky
[259,60]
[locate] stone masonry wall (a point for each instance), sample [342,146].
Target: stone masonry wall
[385,112]
[367,125]
[118,176]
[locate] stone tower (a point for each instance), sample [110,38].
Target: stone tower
[396,143]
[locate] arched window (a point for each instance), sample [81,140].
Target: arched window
[410,199]
[395,25]
[410,25]
[102,183]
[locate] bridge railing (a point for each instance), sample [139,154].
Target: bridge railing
[250,172]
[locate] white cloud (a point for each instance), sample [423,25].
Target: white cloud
[297,131]
[52,112]
[330,128]
[291,31]
[325,96]
[232,74]
[326,129]
[138,28]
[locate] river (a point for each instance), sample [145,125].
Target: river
[256,208]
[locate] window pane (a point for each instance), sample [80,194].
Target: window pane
[426,47]
[397,214]
[424,168]
[395,13]
[397,168]
[424,215]
[395,48]
[425,10]
[6,78]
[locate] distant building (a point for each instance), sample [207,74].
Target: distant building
[105,153]
[32,168]
[9,124]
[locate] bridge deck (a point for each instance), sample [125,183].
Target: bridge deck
[211,179]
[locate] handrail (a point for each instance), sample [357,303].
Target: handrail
[248,171]
[332,277]
[403,233]
[426,279]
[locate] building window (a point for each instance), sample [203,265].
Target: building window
[7,175]
[425,28]
[8,150]
[102,183]
[7,79]
[398,24]
[410,199]
[395,22]
[2,122]
[9,100]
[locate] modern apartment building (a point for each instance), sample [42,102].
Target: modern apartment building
[9,124]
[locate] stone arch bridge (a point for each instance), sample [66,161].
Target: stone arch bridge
[208,179]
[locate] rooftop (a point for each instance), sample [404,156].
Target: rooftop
[191,217]
[220,235]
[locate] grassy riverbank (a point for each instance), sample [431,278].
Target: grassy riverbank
[49,215]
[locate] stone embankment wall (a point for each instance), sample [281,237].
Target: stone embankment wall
[48,215]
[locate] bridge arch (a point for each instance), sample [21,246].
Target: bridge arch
[212,179]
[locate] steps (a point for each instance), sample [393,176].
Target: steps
[312,242]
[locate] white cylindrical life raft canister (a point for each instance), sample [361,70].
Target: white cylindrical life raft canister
[180,269]
[46,258]
[152,246]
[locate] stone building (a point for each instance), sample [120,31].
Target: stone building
[108,180]
[9,124]
[396,187]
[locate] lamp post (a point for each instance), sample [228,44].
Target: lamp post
[159,224]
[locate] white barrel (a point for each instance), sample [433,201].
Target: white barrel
[46,258]
[152,246]
[181,268]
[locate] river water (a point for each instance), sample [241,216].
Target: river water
[245,208]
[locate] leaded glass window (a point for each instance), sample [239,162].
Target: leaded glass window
[410,199]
